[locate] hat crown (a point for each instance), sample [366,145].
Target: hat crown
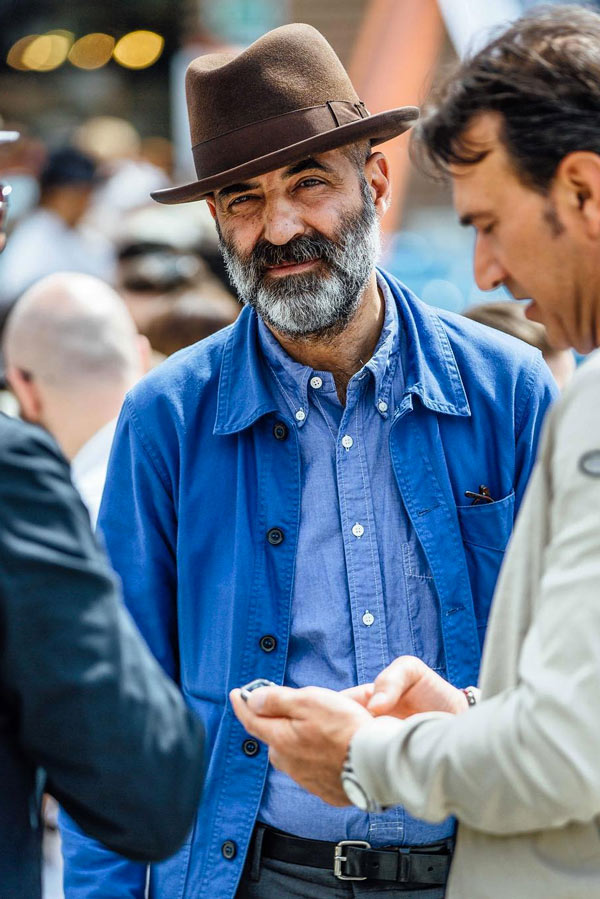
[289,68]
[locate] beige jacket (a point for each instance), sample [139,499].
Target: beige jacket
[521,771]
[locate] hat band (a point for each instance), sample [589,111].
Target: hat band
[230,150]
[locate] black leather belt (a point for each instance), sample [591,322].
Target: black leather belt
[356,860]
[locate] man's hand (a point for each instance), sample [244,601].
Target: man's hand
[308,732]
[407,687]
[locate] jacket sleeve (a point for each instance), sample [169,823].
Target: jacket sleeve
[137,523]
[527,758]
[122,752]
[535,396]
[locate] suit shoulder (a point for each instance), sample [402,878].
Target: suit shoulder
[19,440]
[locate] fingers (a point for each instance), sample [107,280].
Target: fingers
[393,682]
[361,694]
[257,725]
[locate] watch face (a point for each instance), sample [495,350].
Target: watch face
[355,793]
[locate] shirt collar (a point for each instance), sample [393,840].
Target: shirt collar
[290,377]
[430,370]
[94,451]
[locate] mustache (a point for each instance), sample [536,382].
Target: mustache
[299,249]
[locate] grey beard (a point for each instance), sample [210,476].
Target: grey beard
[318,302]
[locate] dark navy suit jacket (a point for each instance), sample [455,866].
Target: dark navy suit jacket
[85,711]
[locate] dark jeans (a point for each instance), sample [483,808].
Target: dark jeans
[267,878]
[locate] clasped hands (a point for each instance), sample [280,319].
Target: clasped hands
[308,731]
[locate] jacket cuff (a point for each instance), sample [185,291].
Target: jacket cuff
[369,754]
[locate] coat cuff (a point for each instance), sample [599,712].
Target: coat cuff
[369,754]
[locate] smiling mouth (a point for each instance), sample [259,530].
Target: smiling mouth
[291,268]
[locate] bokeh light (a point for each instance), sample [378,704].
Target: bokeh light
[46,52]
[92,51]
[40,52]
[139,49]
[15,54]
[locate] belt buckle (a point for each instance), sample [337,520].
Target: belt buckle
[338,858]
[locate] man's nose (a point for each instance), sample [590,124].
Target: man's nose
[281,221]
[489,273]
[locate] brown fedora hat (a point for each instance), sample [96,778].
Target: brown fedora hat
[287,95]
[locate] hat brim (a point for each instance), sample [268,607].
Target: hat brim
[378,128]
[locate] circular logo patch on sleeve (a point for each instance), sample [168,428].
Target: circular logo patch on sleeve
[590,463]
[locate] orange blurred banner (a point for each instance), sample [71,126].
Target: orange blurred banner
[393,63]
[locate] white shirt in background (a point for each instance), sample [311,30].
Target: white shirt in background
[88,468]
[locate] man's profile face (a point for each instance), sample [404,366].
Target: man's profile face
[521,240]
[300,242]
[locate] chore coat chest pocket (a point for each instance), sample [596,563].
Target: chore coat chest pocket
[485,529]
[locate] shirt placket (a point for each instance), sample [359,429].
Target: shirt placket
[360,540]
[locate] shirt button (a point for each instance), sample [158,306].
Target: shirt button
[347,441]
[316,382]
[358,530]
[382,406]
[250,748]
[280,430]
[275,536]
[300,415]
[368,618]
[229,850]
[267,643]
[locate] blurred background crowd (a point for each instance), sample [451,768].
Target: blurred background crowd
[96,91]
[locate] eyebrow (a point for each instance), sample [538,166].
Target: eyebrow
[304,165]
[237,188]
[469,217]
[309,163]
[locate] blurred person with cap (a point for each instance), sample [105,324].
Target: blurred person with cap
[86,713]
[517,128]
[72,352]
[286,499]
[50,238]
[128,178]
[510,318]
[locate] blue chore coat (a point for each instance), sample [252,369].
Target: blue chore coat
[204,469]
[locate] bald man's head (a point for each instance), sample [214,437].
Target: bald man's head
[72,332]
[71,353]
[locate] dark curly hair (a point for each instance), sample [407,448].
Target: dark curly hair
[542,76]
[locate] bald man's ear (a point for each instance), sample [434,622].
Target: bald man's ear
[27,394]
[577,183]
[145,353]
[377,173]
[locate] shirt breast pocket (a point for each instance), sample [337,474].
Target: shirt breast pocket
[485,529]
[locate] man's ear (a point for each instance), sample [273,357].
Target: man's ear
[145,353]
[578,182]
[27,394]
[377,173]
[210,202]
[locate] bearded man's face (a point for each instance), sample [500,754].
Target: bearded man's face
[315,251]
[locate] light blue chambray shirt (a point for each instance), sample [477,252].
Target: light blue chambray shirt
[363,593]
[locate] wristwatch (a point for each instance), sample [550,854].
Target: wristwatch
[354,791]
[471,694]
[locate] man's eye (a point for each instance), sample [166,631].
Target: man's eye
[309,182]
[487,229]
[243,198]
